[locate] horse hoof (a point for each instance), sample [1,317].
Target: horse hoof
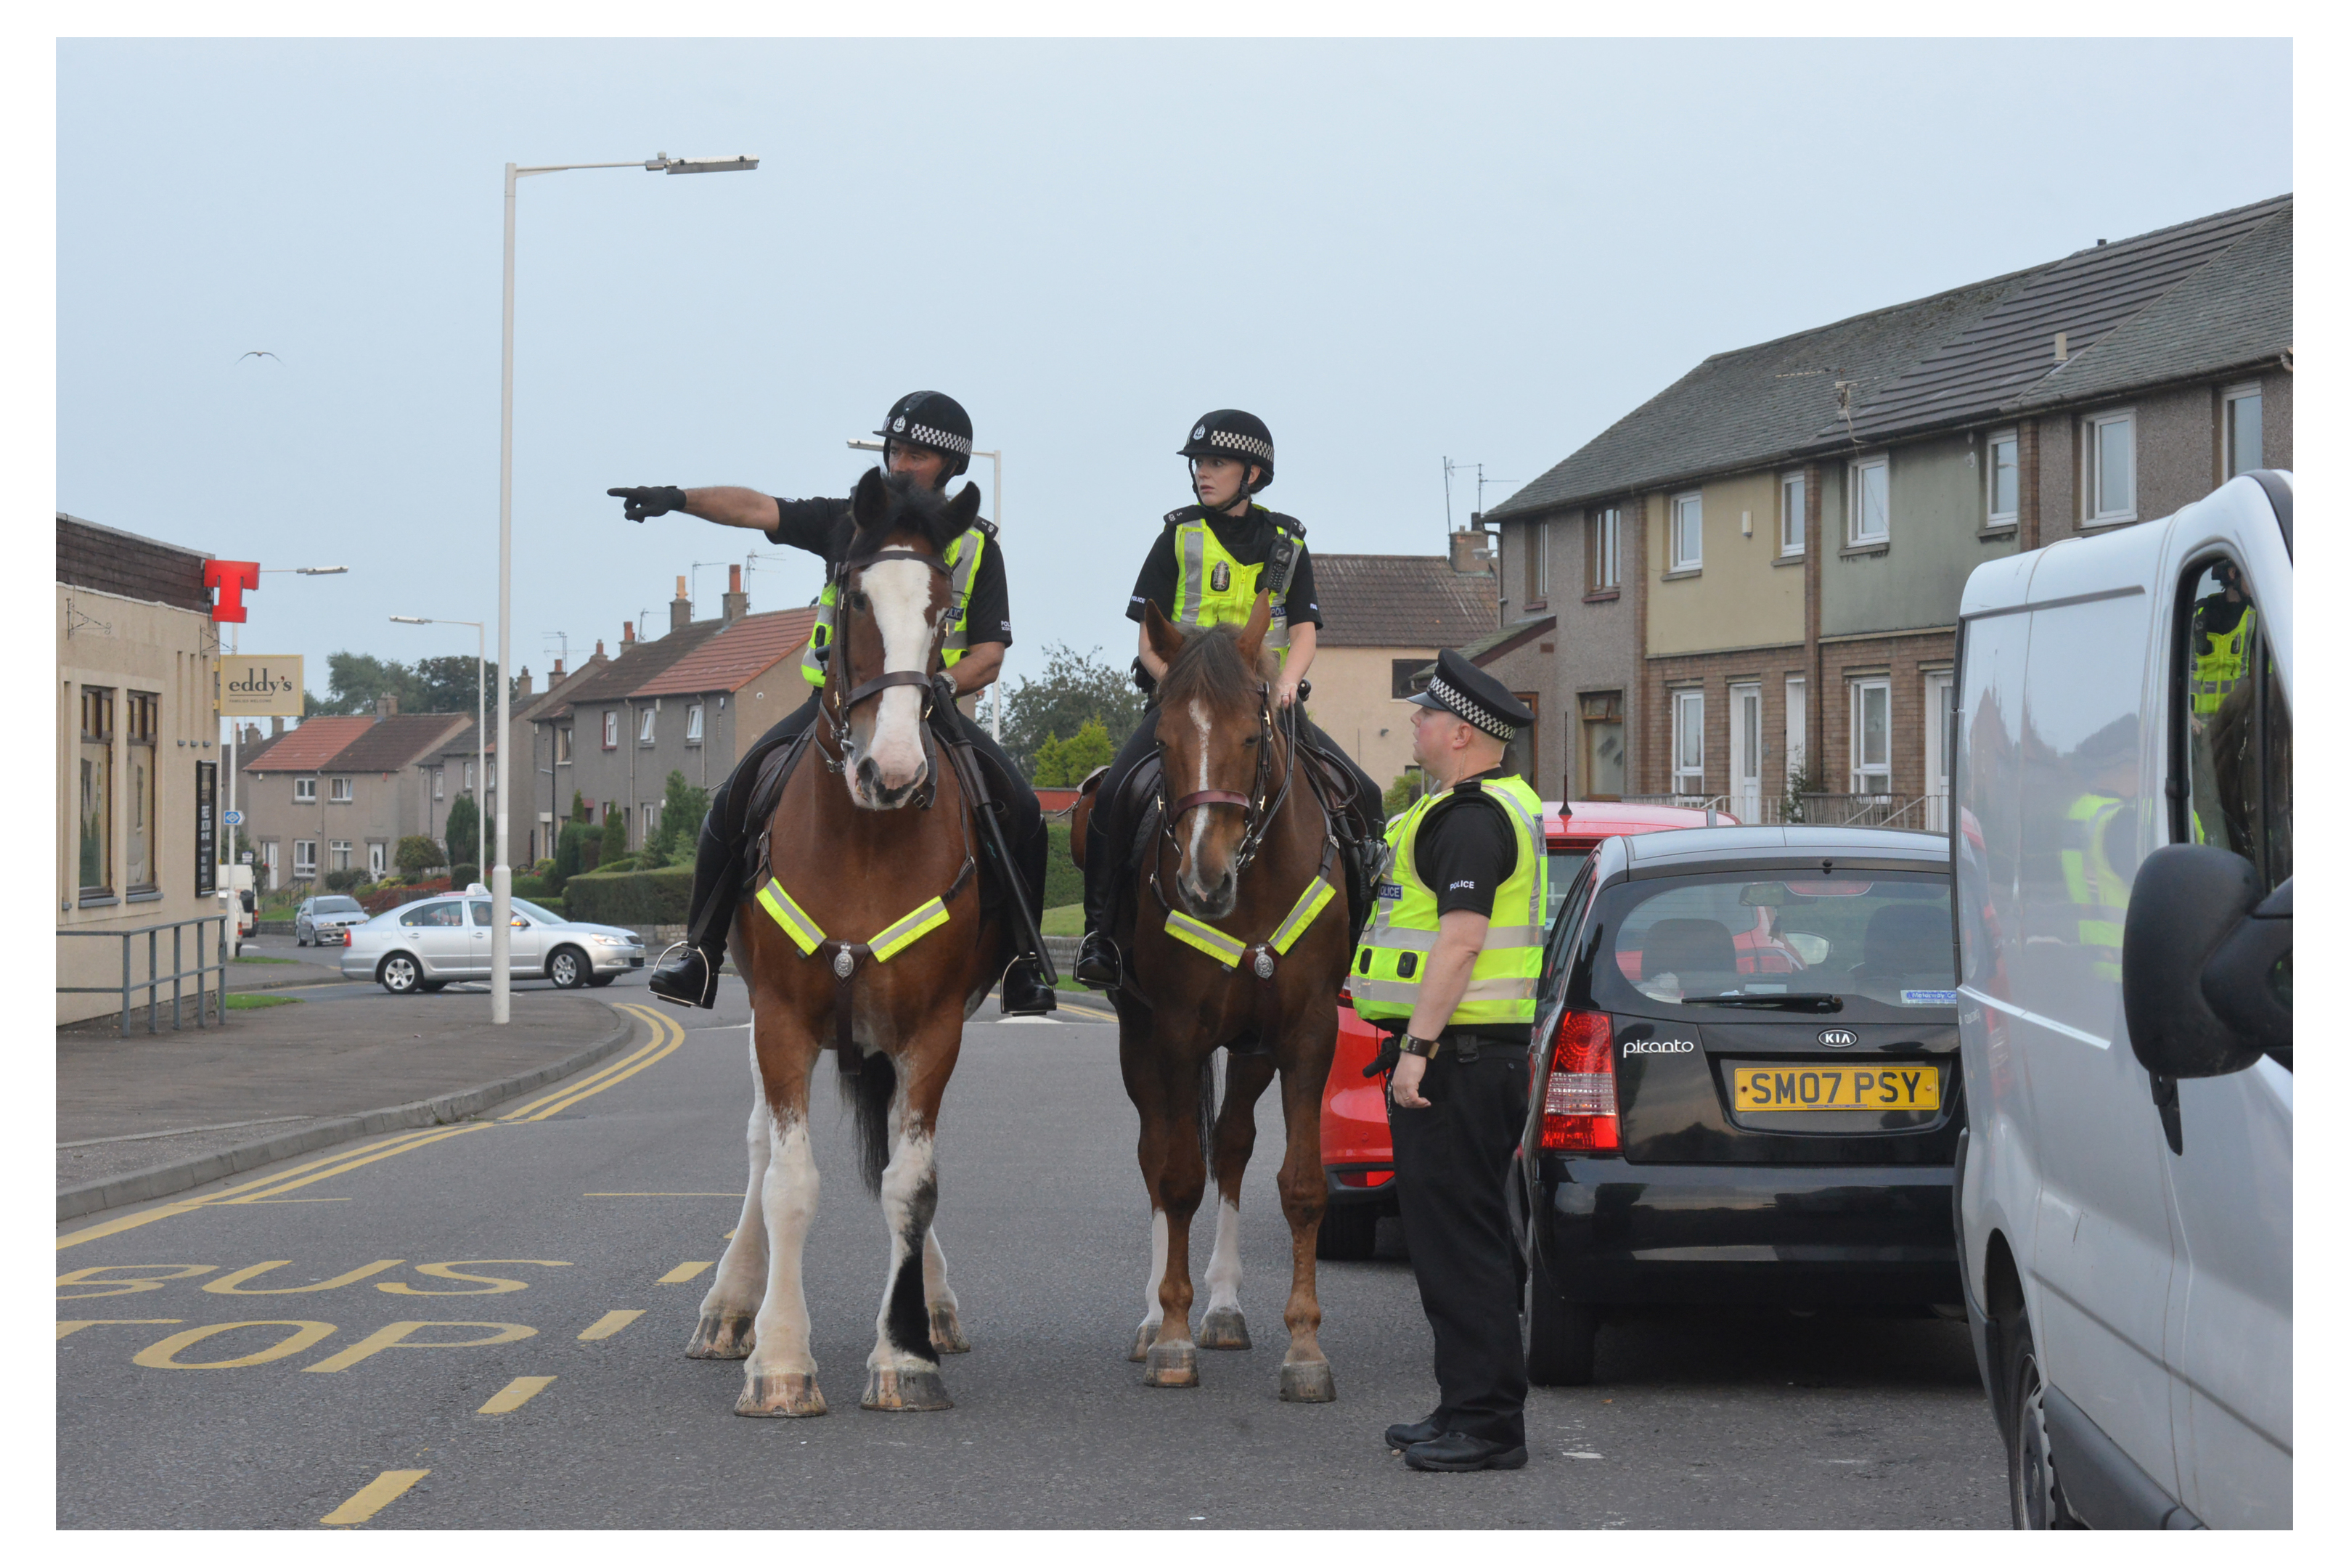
[1307,1382]
[1225,1329]
[719,1337]
[1144,1337]
[906,1391]
[946,1336]
[780,1394]
[1171,1366]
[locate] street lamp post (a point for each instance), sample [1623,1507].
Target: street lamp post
[480,722]
[994,708]
[502,874]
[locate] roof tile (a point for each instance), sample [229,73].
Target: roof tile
[737,655]
[1402,601]
[309,744]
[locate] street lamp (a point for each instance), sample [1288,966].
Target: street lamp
[235,727]
[481,720]
[501,873]
[994,709]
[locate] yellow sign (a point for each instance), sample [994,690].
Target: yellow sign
[253,685]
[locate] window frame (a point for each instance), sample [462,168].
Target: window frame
[141,728]
[1593,711]
[440,782]
[97,744]
[306,791]
[1992,518]
[1682,505]
[338,790]
[1605,525]
[2242,392]
[1794,498]
[645,725]
[611,729]
[693,725]
[2094,514]
[563,743]
[1860,685]
[1855,507]
[1682,698]
[306,869]
[339,851]
[2181,711]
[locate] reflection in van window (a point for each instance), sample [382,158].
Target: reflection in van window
[2237,729]
[1884,937]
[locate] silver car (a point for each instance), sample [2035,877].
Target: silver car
[330,913]
[425,945]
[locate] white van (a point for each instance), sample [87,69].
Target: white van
[235,893]
[2122,851]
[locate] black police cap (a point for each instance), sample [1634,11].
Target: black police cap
[929,418]
[1462,690]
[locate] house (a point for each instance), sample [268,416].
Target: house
[1384,618]
[337,793]
[1795,520]
[139,772]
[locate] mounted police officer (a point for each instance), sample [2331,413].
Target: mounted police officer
[1209,564]
[1449,965]
[925,435]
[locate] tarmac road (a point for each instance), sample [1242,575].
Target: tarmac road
[618,1198]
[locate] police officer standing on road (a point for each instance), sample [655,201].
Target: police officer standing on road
[1450,960]
[928,436]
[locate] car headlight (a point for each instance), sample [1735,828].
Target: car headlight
[613,942]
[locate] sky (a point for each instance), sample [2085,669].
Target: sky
[1392,252]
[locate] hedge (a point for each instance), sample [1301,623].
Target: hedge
[1063,883]
[629,897]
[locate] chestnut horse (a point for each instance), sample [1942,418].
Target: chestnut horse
[866,932]
[1238,938]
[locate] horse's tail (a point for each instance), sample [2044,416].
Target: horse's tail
[869,1091]
[1207,1112]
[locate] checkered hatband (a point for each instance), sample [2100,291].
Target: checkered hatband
[1466,707]
[1260,449]
[938,439]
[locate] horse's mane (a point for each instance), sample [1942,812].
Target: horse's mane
[1211,668]
[912,507]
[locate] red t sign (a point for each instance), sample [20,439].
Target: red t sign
[233,578]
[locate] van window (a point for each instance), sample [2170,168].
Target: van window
[2234,729]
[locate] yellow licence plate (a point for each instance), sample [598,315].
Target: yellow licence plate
[1892,1087]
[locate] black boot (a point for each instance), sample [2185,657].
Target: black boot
[687,974]
[1099,963]
[1098,960]
[1025,995]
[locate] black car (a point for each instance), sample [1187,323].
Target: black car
[1746,1082]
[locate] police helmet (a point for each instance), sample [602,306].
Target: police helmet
[932,420]
[1232,433]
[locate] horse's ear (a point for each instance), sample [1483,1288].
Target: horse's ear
[1260,621]
[962,510]
[1165,639]
[870,504]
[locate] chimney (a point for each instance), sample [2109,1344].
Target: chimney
[386,706]
[599,647]
[680,609]
[276,726]
[522,687]
[628,636]
[554,677]
[736,603]
[1469,554]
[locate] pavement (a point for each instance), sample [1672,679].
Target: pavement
[554,1394]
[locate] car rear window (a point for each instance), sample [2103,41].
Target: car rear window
[1878,942]
[445,913]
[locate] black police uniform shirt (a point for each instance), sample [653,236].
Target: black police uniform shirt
[823,527]
[1465,855]
[1249,540]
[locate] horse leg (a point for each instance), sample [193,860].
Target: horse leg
[902,1372]
[779,1378]
[1173,1359]
[725,1332]
[1142,1087]
[946,1336]
[1224,1326]
[1305,1375]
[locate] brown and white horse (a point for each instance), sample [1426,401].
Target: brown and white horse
[1238,938]
[866,932]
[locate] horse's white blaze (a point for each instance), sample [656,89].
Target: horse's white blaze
[787,1196]
[1199,815]
[742,1272]
[900,594]
[1224,1265]
[912,1163]
[1152,1312]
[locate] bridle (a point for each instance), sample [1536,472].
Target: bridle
[837,702]
[1259,812]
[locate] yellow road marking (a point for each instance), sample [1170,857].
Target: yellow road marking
[660,1194]
[369,1500]
[520,1113]
[513,1396]
[681,1273]
[604,1327]
[67,1325]
[297,1200]
[668,1036]
[398,1336]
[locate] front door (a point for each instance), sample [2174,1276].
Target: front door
[1745,753]
[1937,752]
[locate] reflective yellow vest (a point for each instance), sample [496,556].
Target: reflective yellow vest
[2098,893]
[962,565]
[2217,672]
[1393,956]
[1212,588]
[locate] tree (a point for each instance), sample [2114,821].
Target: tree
[683,805]
[1075,689]
[1408,786]
[447,683]
[464,829]
[616,837]
[570,854]
[418,855]
[1066,763]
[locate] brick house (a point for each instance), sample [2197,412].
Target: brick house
[1386,617]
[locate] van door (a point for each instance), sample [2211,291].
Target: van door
[2231,1184]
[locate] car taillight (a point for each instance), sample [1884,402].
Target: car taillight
[1578,1104]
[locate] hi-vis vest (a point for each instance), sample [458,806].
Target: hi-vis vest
[1212,588]
[962,560]
[2217,672]
[1393,956]
[2099,893]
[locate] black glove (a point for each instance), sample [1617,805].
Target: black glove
[943,684]
[1390,1052]
[650,500]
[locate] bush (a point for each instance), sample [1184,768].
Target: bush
[545,867]
[532,887]
[570,854]
[683,805]
[464,876]
[1063,883]
[1402,792]
[625,863]
[630,898]
[376,903]
[615,838]
[343,881]
[416,855]
[462,829]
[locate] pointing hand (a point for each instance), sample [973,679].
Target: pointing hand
[650,500]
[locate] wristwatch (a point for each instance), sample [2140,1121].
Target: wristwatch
[1410,1044]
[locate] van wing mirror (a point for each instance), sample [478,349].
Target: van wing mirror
[2197,956]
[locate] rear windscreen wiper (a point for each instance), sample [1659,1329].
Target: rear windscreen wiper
[1788,1002]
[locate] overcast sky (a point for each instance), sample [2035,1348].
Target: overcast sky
[1392,252]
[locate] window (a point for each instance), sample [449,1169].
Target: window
[306,857]
[469,778]
[374,860]
[1602,745]
[341,850]
[1868,501]
[693,725]
[2237,739]
[645,728]
[1537,561]
[1871,737]
[139,727]
[1688,742]
[652,821]
[562,746]
[1606,548]
[1798,718]
[494,775]
[1790,514]
[2002,480]
[440,782]
[447,912]
[97,810]
[2109,494]
[1688,532]
[611,730]
[306,791]
[1405,677]
[338,789]
[2241,430]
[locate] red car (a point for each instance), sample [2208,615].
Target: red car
[1357,1154]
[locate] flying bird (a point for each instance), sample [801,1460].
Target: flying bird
[257,354]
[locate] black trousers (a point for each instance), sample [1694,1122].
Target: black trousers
[1452,1161]
[718,868]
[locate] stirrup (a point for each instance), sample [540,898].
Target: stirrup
[708,997]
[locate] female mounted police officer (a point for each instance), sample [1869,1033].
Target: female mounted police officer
[925,435]
[1209,564]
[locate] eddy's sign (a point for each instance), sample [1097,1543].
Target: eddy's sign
[252,685]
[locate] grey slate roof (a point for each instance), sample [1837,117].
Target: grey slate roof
[639,663]
[1751,406]
[2234,311]
[1402,601]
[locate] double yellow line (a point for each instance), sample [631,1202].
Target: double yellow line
[668,1036]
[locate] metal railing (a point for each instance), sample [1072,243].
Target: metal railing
[210,1004]
[1925,813]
